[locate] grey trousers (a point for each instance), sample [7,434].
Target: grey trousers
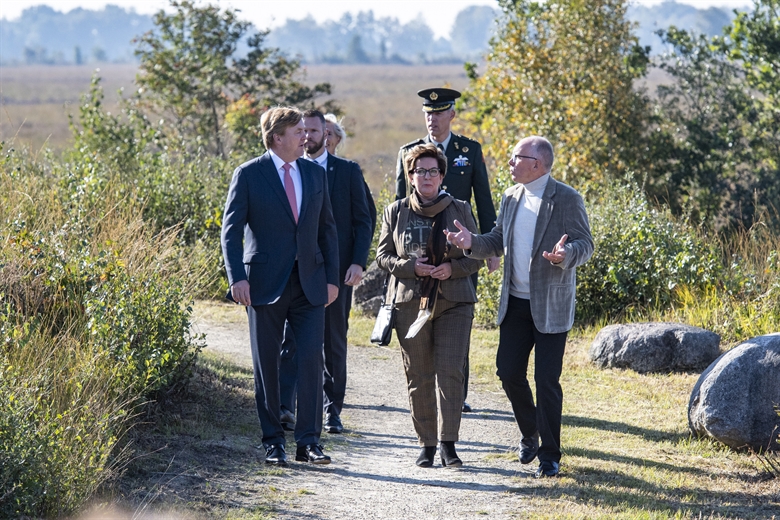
[434,362]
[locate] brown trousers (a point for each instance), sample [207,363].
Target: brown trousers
[434,362]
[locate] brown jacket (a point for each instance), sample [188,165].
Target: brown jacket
[390,254]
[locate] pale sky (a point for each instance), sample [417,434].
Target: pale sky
[438,14]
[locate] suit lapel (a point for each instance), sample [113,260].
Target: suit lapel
[306,187]
[545,213]
[511,210]
[268,171]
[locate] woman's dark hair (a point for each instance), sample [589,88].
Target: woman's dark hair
[425,150]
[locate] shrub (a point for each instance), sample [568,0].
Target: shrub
[642,256]
[93,321]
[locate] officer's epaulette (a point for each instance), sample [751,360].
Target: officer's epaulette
[413,143]
[463,137]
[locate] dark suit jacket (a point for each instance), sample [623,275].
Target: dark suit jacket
[260,239]
[351,212]
[466,172]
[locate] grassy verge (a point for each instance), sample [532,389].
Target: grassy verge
[627,449]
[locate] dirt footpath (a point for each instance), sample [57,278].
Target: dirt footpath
[373,475]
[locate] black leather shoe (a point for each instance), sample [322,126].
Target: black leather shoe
[287,419]
[529,447]
[547,468]
[467,407]
[311,453]
[425,460]
[448,455]
[333,423]
[274,454]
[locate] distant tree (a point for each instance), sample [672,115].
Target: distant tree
[564,70]
[471,32]
[412,40]
[192,74]
[77,58]
[355,51]
[99,54]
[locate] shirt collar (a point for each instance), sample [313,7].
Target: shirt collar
[322,160]
[279,162]
[444,143]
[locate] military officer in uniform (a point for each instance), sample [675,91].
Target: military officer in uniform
[466,170]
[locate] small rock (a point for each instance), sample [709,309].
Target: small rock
[654,347]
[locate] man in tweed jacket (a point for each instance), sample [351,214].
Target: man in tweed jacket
[543,231]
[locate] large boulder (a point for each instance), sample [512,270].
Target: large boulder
[367,296]
[734,400]
[655,347]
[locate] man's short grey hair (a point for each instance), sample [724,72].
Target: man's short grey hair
[542,150]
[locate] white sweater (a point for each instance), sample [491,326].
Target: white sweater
[523,239]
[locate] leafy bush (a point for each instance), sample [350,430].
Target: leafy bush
[60,420]
[642,256]
[174,189]
[93,321]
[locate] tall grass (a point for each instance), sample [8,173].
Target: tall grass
[93,322]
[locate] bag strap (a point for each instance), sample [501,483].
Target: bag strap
[385,288]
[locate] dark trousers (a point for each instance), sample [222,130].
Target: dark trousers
[474,280]
[335,353]
[266,332]
[518,336]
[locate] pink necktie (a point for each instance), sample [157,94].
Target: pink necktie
[289,189]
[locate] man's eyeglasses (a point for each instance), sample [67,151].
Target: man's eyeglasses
[432,172]
[516,157]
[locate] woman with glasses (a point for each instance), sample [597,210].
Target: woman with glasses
[434,300]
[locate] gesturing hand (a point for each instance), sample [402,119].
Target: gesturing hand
[461,239]
[559,251]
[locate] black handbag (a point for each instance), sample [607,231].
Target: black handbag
[385,320]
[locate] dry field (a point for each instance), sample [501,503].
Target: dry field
[35,101]
[382,110]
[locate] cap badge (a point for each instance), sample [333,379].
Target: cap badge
[434,96]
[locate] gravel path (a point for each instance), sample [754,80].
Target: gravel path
[373,475]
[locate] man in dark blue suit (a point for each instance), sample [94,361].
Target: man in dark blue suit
[354,226]
[279,243]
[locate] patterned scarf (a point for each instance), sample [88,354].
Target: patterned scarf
[436,248]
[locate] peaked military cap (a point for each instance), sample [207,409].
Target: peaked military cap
[438,99]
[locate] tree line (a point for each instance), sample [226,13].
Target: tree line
[43,35]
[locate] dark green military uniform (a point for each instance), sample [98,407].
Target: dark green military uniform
[466,173]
